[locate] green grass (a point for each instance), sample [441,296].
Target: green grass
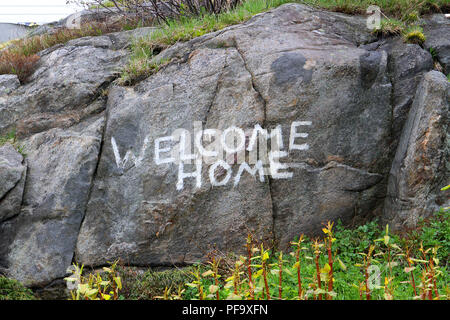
[10,137]
[13,290]
[391,27]
[348,247]
[151,283]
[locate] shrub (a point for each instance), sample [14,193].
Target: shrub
[95,287]
[15,63]
[11,289]
[361,263]
[342,265]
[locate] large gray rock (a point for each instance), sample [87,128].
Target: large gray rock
[436,29]
[95,185]
[407,65]
[287,65]
[12,177]
[421,165]
[37,245]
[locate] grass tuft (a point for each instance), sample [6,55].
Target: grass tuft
[367,262]
[414,35]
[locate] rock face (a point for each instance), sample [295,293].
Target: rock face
[12,175]
[271,127]
[421,164]
[437,26]
[66,85]
[38,244]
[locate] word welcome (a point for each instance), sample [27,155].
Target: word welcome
[221,149]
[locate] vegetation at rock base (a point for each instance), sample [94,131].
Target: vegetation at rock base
[366,262]
[11,289]
[150,284]
[104,286]
[345,264]
[361,263]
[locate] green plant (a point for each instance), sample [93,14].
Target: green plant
[411,17]
[197,283]
[297,266]
[95,287]
[11,289]
[433,231]
[409,268]
[414,34]
[329,239]
[142,62]
[433,53]
[10,137]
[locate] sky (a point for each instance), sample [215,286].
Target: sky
[38,11]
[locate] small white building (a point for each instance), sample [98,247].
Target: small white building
[10,31]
